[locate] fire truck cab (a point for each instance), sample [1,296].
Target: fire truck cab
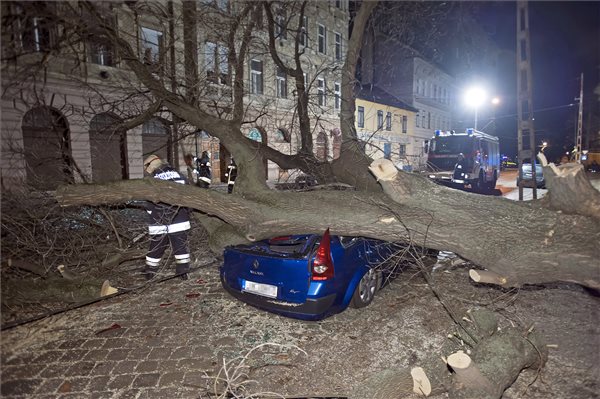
[471,158]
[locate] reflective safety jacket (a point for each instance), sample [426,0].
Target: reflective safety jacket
[165,218]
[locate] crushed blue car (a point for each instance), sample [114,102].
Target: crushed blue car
[307,277]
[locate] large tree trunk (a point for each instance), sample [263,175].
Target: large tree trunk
[522,243]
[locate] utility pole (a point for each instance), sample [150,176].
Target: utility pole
[579,124]
[525,101]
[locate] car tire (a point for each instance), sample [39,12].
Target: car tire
[365,291]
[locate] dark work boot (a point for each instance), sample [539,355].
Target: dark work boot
[182,270]
[149,272]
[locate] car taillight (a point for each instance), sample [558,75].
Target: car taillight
[322,267]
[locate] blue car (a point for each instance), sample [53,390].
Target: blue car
[307,277]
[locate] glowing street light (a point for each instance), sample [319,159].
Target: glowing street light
[474,98]
[496,100]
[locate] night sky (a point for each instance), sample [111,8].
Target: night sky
[565,41]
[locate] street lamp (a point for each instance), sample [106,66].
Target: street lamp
[474,98]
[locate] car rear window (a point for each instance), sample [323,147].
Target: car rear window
[294,245]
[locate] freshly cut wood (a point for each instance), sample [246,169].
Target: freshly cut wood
[569,190]
[107,289]
[421,384]
[468,375]
[485,276]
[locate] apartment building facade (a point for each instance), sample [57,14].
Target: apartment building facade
[80,114]
[386,126]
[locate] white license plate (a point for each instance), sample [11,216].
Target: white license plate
[260,289]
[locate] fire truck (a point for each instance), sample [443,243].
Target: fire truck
[464,159]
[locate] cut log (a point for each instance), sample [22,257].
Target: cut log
[421,384]
[487,277]
[468,375]
[106,289]
[569,190]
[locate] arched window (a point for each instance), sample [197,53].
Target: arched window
[254,134]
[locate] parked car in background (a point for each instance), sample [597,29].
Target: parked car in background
[507,163]
[527,174]
[309,276]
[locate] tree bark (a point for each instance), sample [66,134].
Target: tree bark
[524,243]
[495,362]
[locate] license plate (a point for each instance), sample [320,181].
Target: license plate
[260,289]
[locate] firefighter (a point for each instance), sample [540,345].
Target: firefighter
[203,170]
[231,175]
[167,223]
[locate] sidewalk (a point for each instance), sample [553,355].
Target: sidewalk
[140,344]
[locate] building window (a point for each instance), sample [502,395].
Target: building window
[435,92]
[404,124]
[429,120]
[387,150]
[321,92]
[36,35]
[379,119]
[217,63]
[402,150]
[361,116]
[388,121]
[101,53]
[338,96]
[281,83]
[322,39]
[304,31]
[417,119]
[423,119]
[151,46]
[256,77]
[338,46]
[280,25]
[154,126]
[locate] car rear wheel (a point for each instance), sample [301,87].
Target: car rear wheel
[366,289]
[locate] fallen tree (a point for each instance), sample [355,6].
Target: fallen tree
[518,243]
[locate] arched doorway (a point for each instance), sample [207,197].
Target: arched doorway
[47,148]
[155,138]
[322,151]
[108,147]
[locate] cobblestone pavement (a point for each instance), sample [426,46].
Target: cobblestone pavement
[171,339]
